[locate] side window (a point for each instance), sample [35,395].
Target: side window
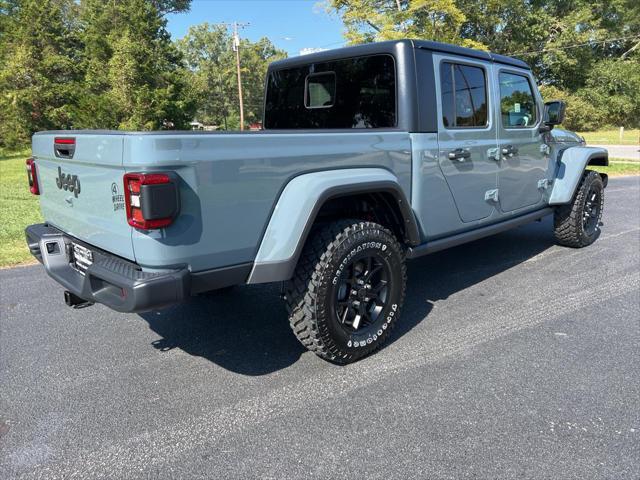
[320,90]
[464,96]
[517,102]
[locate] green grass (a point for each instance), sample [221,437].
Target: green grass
[612,137]
[18,208]
[618,167]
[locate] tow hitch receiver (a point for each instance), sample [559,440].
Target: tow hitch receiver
[74,301]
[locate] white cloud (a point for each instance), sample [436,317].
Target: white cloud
[308,50]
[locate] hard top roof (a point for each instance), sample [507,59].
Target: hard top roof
[389,47]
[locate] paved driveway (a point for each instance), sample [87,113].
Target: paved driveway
[628,152]
[515,359]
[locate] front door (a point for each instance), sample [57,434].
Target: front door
[467,135]
[524,159]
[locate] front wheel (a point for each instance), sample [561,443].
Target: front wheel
[347,290]
[577,224]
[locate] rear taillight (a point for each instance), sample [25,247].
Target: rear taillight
[151,200]
[32,176]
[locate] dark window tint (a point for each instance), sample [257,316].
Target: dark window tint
[448,109]
[321,90]
[517,102]
[351,93]
[464,95]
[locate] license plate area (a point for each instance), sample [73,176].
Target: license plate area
[81,258]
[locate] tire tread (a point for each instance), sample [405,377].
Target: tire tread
[567,219]
[301,292]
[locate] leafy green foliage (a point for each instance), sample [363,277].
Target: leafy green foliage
[375,20]
[38,67]
[212,67]
[89,64]
[613,87]
[134,78]
[112,64]
[610,97]
[584,51]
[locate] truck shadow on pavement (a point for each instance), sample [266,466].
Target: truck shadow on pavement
[245,330]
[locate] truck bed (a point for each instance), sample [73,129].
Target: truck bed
[229,184]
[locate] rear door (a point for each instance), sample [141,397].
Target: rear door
[81,187]
[525,160]
[467,134]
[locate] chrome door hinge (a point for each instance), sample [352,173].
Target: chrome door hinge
[491,195]
[544,183]
[494,154]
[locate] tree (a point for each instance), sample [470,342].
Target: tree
[254,60]
[38,67]
[207,53]
[89,64]
[212,66]
[134,78]
[572,45]
[613,88]
[375,20]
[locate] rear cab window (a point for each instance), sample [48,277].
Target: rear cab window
[517,101]
[352,93]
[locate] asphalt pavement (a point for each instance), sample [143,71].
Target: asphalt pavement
[627,152]
[514,358]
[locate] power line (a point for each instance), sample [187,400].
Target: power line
[566,47]
[342,42]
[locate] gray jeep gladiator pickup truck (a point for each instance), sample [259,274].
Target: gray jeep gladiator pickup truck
[371,155]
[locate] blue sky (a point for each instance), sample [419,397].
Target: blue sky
[290,24]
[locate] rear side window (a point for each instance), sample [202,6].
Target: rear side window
[464,95]
[351,93]
[517,103]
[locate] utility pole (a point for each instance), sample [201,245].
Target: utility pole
[236,48]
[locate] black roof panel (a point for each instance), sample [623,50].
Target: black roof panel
[469,52]
[390,47]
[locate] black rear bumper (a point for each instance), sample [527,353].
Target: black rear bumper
[110,280]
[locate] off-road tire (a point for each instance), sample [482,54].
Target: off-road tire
[329,251]
[568,220]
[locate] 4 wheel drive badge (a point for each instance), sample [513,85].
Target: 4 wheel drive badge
[116,198]
[68,182]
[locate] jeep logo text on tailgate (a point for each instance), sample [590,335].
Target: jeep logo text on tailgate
[68,182]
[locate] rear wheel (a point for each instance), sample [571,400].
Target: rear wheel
[347,290]
[577,224]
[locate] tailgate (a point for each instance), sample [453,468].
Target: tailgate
[81,187]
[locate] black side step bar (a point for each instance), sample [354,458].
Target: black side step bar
[459,239]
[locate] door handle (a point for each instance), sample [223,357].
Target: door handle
[459,154]
[509,150]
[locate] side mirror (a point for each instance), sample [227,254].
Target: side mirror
[554,112]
